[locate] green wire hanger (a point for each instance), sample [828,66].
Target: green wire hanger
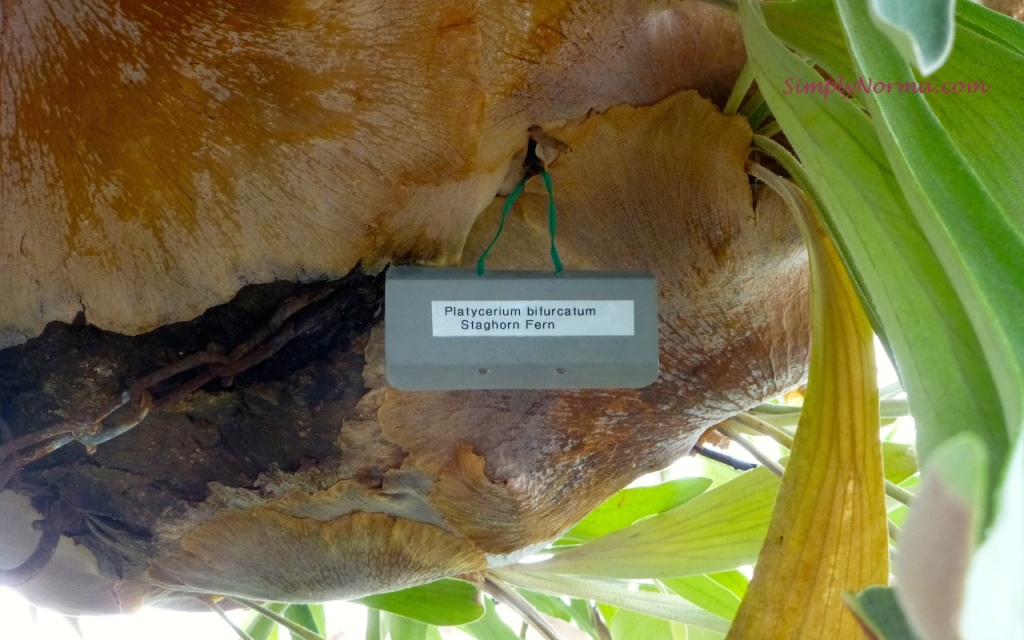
[533,166]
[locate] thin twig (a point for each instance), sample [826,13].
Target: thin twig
[295,628]
[765,429]
[736,437]
[739,90]
[890,390]
[771,129]
[887,408]
[718,456]
[894,531]
[777,409]
[508,596]
[603,632]
[893,407]
[216,609]
[898,493]
[893,490]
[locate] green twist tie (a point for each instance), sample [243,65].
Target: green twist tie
[552,221]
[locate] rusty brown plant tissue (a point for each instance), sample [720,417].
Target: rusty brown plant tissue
[198,202]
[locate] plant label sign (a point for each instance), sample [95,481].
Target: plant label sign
[450,328]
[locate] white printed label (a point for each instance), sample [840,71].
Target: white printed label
[529,318]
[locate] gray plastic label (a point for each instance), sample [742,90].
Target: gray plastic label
[453,329]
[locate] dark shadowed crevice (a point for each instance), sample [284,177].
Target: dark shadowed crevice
[283,414]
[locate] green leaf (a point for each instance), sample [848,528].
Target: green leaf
[693,633]
[374,630]
[630,625]
[629,505]
[939,535]
[401,628]
[575,610]
[984,126]
[581,615]
[912,300]
[733,581]
[607,611]
[320,616]
[989,49]
[879,614]
[921,30]
[296,630]
[811,27]
[490,626]
[660,605]
[444,602]
[718,530]
[706,593]
[260,627]
[978,239]
[899,460]
[992,26]
[303,614]
[549,605]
